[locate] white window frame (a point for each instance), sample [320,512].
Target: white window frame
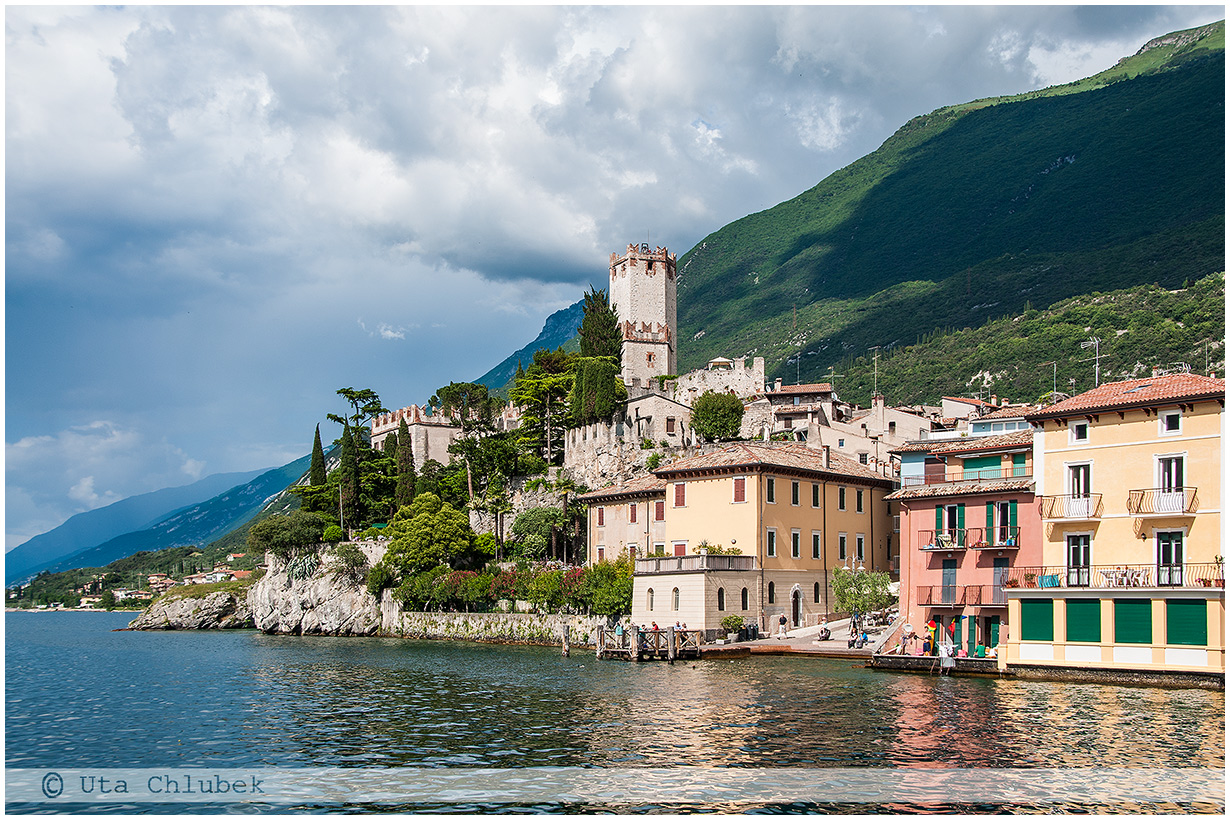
[796,494]
[735,482]
[770,490]
[770,542]
[842,546]
[841,499]
[1072,428]
[817,544]
[796,543]
[1161,423]
[859,505]
[860,547]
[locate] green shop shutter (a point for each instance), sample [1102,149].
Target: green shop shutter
[1133,620]
[994,631]
[1037,619]
[973,635]
[1187,623]
[1084,620]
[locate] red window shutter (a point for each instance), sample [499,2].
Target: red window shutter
[632,513]
[740,490]
[602,516]
[659,511]
[680,494]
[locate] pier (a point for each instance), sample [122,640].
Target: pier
[637,645]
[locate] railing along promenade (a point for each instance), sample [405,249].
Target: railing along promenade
[659,565]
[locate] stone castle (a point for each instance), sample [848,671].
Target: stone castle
[642,288]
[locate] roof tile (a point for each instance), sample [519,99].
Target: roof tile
[1136,393]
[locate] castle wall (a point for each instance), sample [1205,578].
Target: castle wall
[430,436]
[739,379]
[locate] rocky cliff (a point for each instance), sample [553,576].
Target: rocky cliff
[218,610]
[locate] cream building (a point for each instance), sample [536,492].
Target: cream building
[1128,477]
[794,514]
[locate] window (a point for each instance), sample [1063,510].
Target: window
[892,427]
[743,599]
[670,424]
[649,359]
[858,547]
[1170,423]
[658,549]
[772,543]
[1037,619]
[841,498]
[1133,620]
[1084,620]
[789,422]
[794,493]
[815,545]
[1078,560]
[601,553]
[602,516]
[862,458]
[632,513]
[659,511]
[740,495]
[1170,559]
[858,500]
[632,551]
[795,536]
[815,495]
[841,442]
[770,491]
[1187,622]
[841,546]
[721,600]
[772,596]
[815,593]
[681,548]
[649,599]
[675,599]
[680,495]
[1080,431]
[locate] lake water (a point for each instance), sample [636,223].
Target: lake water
[79,696]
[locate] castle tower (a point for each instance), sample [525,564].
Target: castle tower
[643,295]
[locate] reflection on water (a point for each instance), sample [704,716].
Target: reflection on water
[242,698]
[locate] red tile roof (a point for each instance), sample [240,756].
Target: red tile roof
[949,489]
[1016,411]
[790,389]
[974,402]
[1156,390]
[641,485]
[785,456]
[969,444]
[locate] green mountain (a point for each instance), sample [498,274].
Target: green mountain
[1025,357]
[971,212]
[560,329]
[194,525]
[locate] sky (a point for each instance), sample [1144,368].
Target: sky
[215,217]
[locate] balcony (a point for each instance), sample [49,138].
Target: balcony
[694,563]
[1159,502]
[1119,576]
[1071,507]
[948,540]
[999,538]
[941,596]
[967,476]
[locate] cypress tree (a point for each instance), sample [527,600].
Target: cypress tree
[406,476]
[599,331]
[349,486]
[317,476]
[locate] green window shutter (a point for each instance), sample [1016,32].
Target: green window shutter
[961,525]
[939,517]
[994,631]
[1037,619]
[1187,623]
[990,519]
[1133,620]
[1084,620]
[1011,513]
[973,635]
[1018,464]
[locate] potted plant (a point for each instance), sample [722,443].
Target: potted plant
[1012,583]
[732,624]
[1220,580]
[1031,579]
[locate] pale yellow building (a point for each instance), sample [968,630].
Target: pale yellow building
[794,514]
[1128,477]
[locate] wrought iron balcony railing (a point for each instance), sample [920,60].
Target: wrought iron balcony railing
[949,539]
[1071,507]
[1180,501]
[967,476]
[1100,576]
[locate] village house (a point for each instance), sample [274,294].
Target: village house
[792,513]
[1128,476]
[967,516]
[627,519]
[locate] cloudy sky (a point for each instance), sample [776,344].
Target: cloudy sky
[215,217]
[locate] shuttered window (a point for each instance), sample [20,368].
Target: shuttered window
[815,495]
[1037,619]
[680,494]
[770,490]
[602,516]
[632,513]
[1187,623]
[1084,620]
[1133,620]
[659,511]
[794,493]
[740,490]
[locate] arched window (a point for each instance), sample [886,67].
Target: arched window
[675,598]
[815,593]
[771,595]
[721,599]
[743,599]
[649,600]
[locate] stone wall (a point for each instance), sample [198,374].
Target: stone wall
[739,379]
[430,435]
[496,627]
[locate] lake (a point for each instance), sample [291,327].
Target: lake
[79,697]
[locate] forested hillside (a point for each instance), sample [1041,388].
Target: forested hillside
[972,211]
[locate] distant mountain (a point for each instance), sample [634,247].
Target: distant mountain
[91,528]
[971,212]
[196,524]
[559,329]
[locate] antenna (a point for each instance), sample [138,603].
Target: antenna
[833,375]
[875,365]
[1095,343]
[1054,379]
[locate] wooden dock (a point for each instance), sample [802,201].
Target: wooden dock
[636,645]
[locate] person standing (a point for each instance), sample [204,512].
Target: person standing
[781,626]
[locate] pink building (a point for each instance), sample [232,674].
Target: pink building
[967,517]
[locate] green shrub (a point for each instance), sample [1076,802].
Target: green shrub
[653,462]
[379,577]
[333,534]
[732,623]
[349,561]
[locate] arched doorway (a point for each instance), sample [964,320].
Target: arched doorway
[796,608]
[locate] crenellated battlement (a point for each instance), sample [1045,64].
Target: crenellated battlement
[643,294]
[637,252]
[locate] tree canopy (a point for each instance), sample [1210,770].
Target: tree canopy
[717,416]
[427,533]
[599,333]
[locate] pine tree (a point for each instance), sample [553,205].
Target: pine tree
[599,332]
[349,487]
[406,476]
[317,475]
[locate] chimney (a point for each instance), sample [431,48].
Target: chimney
[827,457]
[994,400]
[777,386]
